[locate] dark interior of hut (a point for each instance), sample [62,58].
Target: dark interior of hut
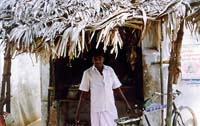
[127,66]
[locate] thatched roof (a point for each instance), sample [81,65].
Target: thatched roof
[193,19]
[59,27]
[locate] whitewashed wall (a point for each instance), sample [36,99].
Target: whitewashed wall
[45,77]
[25,90]
[1,62]
[190,91]
[151,67]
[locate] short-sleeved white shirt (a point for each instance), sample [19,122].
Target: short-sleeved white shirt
[100,87]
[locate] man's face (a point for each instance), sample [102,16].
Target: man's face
[98,61]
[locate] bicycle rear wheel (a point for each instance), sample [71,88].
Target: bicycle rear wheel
[184,117]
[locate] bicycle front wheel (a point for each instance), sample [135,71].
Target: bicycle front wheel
[184,117]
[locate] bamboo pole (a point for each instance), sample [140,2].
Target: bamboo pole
[51,91]
[5,88]
[161,77]
[174,64]
[8,93]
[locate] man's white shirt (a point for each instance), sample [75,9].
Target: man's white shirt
[100,87]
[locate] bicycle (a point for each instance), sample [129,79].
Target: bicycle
[178,116]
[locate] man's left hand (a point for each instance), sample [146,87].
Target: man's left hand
[129,109]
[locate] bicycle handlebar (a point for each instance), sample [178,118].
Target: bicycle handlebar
[149,101]
[125,120]
[177,92]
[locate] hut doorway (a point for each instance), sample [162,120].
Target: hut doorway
[67,76]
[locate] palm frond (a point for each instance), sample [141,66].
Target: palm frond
[60,26]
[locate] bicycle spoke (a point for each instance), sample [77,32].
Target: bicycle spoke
[180,120]
[185,117]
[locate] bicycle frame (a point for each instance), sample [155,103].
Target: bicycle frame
[146,108]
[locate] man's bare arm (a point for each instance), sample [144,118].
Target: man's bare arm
[82,98]
[121,94]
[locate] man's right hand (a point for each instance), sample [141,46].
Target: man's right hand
[77,115]
[77,120]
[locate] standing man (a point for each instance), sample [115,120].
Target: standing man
[100,80]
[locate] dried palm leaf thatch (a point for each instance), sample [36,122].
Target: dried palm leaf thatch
[193,21]
[173,14]
[60,26]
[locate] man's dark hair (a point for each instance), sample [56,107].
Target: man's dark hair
[97,52]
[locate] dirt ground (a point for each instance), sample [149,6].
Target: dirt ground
[36,123]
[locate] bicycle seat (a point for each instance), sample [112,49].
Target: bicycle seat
[145,103]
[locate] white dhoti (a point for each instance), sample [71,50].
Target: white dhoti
[105,118]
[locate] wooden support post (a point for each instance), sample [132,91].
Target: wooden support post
[5,88]
[52,107]
[169,91]
[161,84]
[174,70]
